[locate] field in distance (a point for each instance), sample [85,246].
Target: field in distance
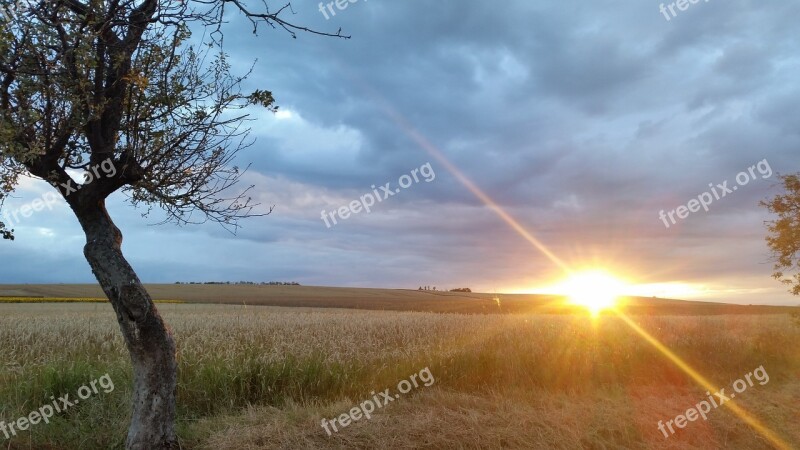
[385,299]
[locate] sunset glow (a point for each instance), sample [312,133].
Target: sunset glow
[595,290]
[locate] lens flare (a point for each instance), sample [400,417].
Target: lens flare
[595,290]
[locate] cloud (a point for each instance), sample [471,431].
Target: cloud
[582,120]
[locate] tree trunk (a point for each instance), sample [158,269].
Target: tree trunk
[150,343]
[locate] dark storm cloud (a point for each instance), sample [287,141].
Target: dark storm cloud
[582,119]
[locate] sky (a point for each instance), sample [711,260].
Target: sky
[573,123]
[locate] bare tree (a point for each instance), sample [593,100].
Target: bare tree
[123,85]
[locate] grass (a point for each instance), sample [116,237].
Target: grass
[67,300]
[263,377]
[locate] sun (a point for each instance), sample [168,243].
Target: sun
[595,290]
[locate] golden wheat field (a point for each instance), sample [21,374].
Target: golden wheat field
[257,377]
[67,300]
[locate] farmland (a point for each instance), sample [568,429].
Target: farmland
[383,299]
[259,377]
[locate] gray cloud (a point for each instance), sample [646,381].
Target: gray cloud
[581,119]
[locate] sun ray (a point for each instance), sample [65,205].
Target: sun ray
[426,145]
[706,384]
[595,290]
[431,149]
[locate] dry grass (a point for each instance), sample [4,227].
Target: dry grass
[439,418]
[67,300]
[515,381]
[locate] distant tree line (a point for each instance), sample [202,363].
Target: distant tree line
[429,288]
[251,283]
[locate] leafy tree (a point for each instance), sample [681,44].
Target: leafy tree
[784,233]
[123,84]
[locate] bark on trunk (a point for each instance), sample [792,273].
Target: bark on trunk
[150,343]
